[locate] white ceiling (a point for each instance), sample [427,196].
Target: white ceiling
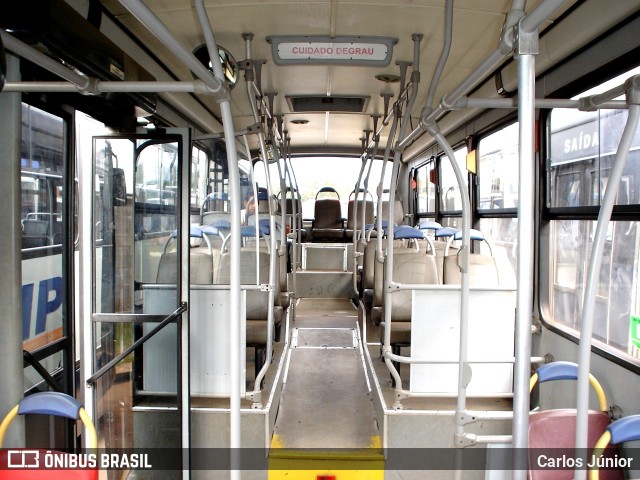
[477,25]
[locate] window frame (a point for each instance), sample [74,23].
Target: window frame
[546,273]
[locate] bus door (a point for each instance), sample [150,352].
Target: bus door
[136,211]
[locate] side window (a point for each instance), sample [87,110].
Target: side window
[582,147]
[450,199]
[498,168]
[497,196]
[426,188]
[43,285]
[199,162]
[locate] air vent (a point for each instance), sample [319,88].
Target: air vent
[310,103]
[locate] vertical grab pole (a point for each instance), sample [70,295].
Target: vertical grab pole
[388,266]
[604,216]
[354,214]
[527,47]
[183,324]
[273,258]
[235,204]
[297,202]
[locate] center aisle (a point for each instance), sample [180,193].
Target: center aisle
[326,421]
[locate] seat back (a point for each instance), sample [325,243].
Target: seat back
[556,429]
[354,223]
[482,270]
[201,267]
[34,233]
[410,267]
[327,214]
[215,218]
[625,429]
[263,209]
[257,301]
[376,277]
[440,247]
[281,270]
[398,211]
[327,223]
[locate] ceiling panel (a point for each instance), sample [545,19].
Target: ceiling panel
[477,25]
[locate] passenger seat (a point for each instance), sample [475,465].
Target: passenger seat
[483,270]
[353,223]
[410,266]
[328,224]
[257,301]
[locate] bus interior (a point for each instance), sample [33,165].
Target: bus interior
[336,239]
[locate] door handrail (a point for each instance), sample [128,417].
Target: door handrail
[181,309]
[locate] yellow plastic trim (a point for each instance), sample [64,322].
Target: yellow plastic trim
[533,381]
[601,444]
[90,430]
[360,464]
[5,423]
[602,398]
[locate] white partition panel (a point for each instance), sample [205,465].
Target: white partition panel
[160,353]
[209,343]
[435,335]
[210,362]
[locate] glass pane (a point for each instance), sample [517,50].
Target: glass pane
[128,417]
[43,285]
[498,169]
[426,177]
[311,178]
[450,199]
[453,222]
[54,364]
[199,162]
[135,216]
[502,234]
[582,151]
[617,295]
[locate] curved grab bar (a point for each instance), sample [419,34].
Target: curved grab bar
[195,232]
[626,429]
[52,403]
[566,371]
[327,190]
[429,225]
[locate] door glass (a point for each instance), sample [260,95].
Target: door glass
[136,214]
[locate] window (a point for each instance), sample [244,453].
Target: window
[498,169]
[199,163]
[582,147]
[313,173]
[426,188]
[498,194]
[43,285]
[450,199]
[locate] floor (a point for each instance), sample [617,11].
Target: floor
[326,401]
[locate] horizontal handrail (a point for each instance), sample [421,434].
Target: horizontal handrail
[429,361]
[395,286]
[181,309]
